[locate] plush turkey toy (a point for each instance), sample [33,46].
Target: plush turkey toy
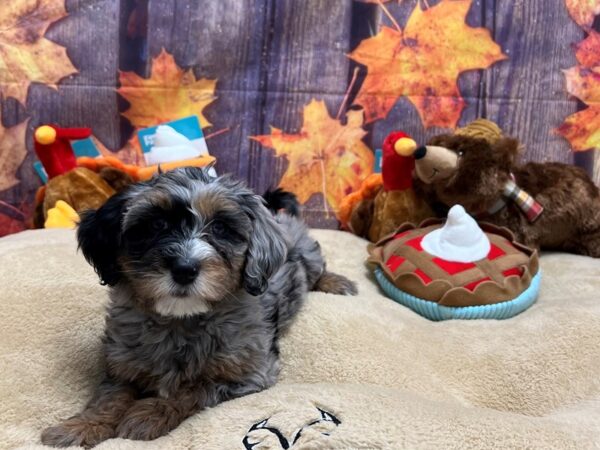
[386,201]
[53,147]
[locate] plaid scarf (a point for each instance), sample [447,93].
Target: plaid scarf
[523,200]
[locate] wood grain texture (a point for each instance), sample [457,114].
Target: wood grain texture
[306,59]
[526,95]
[222,40]
[404,116]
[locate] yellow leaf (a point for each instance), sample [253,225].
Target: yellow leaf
[12,153]
[26,56]
[423,63]
[582,129]
[170,93]
[325,157]
[583,11]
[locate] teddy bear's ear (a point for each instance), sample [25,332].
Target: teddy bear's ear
[506,151]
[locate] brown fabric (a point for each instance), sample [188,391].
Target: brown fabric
[81,188]
[482,129]
[395,207]
[447,289]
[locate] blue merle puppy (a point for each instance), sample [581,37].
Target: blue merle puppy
[203,278]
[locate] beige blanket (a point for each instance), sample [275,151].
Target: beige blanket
[360,372]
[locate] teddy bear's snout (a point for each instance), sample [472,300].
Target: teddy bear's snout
[434,163]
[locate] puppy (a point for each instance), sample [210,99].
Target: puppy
[203,279]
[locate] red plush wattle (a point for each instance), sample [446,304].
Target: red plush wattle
[396,170]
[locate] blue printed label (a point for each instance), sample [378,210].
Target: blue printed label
[188,126]
[85,147]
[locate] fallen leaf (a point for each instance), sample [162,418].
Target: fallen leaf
[26,56]
[325,157]
[582,129]
[423,62]
[587,51]
[583,11]
[12,153]
[170,93]
[130,153]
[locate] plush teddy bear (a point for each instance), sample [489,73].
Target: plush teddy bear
[386,201]
[546,205]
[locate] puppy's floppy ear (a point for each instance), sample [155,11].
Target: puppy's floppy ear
[99,237]
[266,250]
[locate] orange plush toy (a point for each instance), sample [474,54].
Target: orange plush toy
[386,201]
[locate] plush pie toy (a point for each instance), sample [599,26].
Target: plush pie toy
[457,270]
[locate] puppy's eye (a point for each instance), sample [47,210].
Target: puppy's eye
[159,225]
[460,153]
[218,228]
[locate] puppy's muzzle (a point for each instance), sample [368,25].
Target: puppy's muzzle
[184,270]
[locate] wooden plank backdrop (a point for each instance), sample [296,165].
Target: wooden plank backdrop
[272,57]
[526,93]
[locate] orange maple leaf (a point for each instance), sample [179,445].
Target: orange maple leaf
[12,153]
[170,93]
[583,11]
[423,62]
[326,156]
[26,56]
[582,129]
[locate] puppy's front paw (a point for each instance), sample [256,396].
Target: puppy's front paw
[332,283]
[77,431]
[148,419]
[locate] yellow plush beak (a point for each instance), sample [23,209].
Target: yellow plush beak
[45,135]
[405,146]
[61,216]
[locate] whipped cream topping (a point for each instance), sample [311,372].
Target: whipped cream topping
[169,145]
[459,240]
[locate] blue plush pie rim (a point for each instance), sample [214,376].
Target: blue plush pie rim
[433,311]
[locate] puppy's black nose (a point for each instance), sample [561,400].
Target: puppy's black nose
[420,152]
[184,271]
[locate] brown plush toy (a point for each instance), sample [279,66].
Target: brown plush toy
[546,205]
[386,201]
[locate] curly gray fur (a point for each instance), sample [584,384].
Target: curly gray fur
[173,348]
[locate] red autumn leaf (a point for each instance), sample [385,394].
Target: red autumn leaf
[408,63]
[582,129]
[587,51]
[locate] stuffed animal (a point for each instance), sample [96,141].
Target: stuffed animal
[61,216]
[386,201]
[85,183]
[457,269]
[546,205]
